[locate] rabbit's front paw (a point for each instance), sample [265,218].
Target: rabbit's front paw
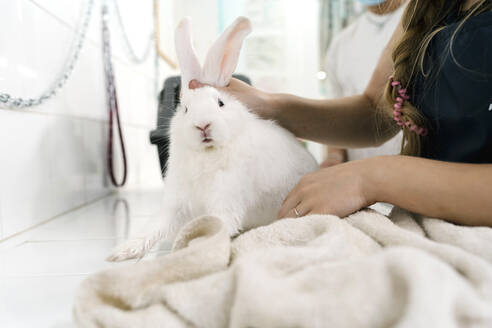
[131,249]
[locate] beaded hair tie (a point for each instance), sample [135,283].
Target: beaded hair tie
[397,114]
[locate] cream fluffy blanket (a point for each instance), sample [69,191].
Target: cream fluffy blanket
[318,271]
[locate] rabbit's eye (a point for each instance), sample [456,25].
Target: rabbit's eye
[186,109]
[220,103]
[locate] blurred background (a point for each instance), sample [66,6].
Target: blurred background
[59,212]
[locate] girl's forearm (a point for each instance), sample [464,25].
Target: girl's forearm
[350,122]
[452,191]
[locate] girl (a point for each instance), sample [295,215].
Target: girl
[434,82]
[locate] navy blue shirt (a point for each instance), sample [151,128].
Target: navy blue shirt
[456,98]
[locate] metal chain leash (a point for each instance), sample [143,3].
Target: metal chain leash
[108,66]
[112,101]
[131,52]
[9,101]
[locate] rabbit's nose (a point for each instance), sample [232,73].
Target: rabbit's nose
[203,128]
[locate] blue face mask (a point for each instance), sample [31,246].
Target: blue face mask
[371,2]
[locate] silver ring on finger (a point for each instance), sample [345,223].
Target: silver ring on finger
[296,212]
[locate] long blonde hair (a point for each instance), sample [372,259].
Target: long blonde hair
[421,21]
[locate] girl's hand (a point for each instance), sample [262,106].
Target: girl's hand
[256,100]
[339,190]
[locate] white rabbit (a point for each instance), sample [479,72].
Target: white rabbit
[223,160]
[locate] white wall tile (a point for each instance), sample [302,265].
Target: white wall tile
[142,160]
[96,182]
[150,170]
[137,101]
[70,14]
[150,176]
[31,62]
[137,18]
[12,11]
[34,56]
[52,164]
[68,164]
[26,152]
[53,156]
[1,219]
[84,94]
[44,168]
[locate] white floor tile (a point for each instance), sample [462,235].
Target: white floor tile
[143,203]
[110,218]
[41,269]
[56,257]
[113,217]
[42,301]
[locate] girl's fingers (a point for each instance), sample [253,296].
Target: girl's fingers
[292,213]
[234,85]
[292,200]
[299,210]
[194,84]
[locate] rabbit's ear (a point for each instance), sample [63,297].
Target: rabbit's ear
[188,61]
[222,57]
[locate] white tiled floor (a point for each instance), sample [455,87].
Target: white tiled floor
[41,268]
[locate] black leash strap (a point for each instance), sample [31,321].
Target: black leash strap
[112,104]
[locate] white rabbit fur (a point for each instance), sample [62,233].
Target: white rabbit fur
[241,175]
